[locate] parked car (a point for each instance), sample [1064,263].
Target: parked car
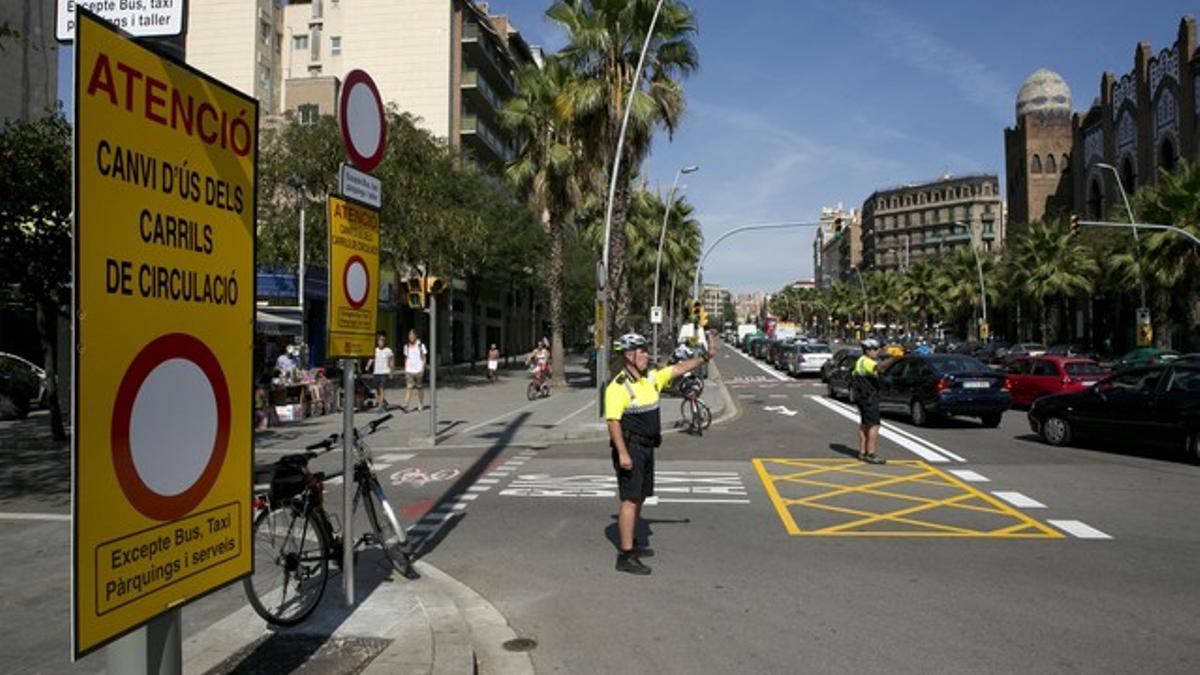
[784,354]
[809,358]
[1025,349]
[828,367]
[1144,356]
[22,384]
[1032,377]
[1076,351]
[840,378]
[993,352]
[1148,404]
[942,385]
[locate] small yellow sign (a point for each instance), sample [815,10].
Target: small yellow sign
[599,337]
[164,287]
[353,278]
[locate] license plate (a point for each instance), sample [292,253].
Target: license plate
[976,384]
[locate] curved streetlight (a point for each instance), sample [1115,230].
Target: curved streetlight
[1136,242]
[602,295]
[662,237]
[979,269]
[862,286]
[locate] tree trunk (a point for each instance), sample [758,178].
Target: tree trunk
[1046,322]
[618,278]
[557,285]
[47,325]
[1161,319]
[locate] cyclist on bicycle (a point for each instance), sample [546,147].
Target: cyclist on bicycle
[634,430]
[539,360]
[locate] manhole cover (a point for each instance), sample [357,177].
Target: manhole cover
[520,645]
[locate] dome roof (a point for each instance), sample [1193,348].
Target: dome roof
[1044,93]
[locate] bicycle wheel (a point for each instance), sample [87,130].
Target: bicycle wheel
[533,391]
[388,533]
[705,414]
[291,566]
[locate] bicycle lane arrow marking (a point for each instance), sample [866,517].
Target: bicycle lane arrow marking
[781,409]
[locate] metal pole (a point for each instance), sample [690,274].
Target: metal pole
[300,285]
[602,356]
[348,399]
[433,369]
[1136,242]
[662,237]
[979,269]
[1144,226]
[730,233]
[154,649]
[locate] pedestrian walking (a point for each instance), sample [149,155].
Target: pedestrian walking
[415,359]
[493,362]
[635,429]
[866,395]
[382,365]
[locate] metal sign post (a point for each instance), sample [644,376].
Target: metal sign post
[433,369]
[348,400]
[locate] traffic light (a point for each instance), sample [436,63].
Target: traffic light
[697,309]
[1074,224]
[435,285]
[837,228]
[703,317]
[416,293]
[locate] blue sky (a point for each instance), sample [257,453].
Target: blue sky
[804,103]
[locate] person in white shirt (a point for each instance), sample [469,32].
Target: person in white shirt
[493,362]
[415,356]
[384,363]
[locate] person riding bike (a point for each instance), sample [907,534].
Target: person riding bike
[539,359]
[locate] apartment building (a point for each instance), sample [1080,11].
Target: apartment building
[239,42]
[926,221]
[450,63]
[714,297]
[834,252]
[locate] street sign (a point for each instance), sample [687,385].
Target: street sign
[599,325]
[656,314]
[165,162]
[353,278]
[360,186]
[138,18]
[1143,316]
[364,126]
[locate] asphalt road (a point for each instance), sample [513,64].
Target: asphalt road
[902,568]
[777,551]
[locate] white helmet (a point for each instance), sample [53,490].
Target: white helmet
[629,342]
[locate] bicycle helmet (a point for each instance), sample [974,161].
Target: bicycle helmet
[870,343]
[629,342]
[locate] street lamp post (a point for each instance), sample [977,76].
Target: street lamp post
[662,237]
[602,294]
[979,269]
[302,190]
[1143,310]
[730,233]
[863,287]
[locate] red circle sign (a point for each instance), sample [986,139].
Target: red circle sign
[356,281]
[364,127]
[195,355]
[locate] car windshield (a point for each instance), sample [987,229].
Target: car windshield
[957,364]
[816,348]
[1084,368]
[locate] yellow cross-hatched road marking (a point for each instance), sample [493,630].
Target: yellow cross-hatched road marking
[903,498]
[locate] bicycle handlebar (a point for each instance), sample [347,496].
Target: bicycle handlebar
[326,444]
[331,440]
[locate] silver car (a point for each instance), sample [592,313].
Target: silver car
[808,358]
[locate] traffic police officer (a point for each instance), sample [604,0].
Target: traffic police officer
[866,396]
[634,430]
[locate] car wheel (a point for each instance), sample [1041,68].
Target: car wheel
[1056,431]
[920,416]
[832,393]
[992,420]
[13,408]
[1193,447]
[850,396]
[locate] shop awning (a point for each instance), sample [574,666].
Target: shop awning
[278,321]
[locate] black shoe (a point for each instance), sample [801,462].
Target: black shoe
[643,550]
[872,458]
[628,562]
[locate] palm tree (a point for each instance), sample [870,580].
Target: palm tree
[920,289]
[1173,260]
[1056,266]
[550,170]
[604,43]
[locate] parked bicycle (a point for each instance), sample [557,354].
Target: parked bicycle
[695,412]
[295,538]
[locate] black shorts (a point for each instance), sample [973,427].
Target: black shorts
[637,483]
[380,380]
[868,410]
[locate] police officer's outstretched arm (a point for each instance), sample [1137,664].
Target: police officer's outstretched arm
[683,367]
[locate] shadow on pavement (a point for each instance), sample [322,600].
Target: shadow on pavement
[642,532]
[843,449]
[41,475]
[467,479]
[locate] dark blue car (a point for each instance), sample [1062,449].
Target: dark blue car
[936,385]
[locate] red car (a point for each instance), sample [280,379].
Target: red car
[1032,377]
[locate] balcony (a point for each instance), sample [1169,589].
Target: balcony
[477,135]
[957,237]
[476,87]
[480,50]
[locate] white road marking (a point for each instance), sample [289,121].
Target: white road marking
[781,409]
[766,369]
[500,474]
[396,457]
[1019,500]
[487,481]
[908,434]
[336,480]
[36,516]
[745,395]
[672,500]
[479,488]
[918,450]
[711,486]
[585,407]
[779,395]
[380,466]
[970,476]
[1079,529]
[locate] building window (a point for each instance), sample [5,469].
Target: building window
[335,45]
[265,32]
[1127,174]
[299,42]
[1051,165]
[1066,162]
[316,44]
[1166,156]
[1095,200]
[1035,164]
[316,9]
[309,113]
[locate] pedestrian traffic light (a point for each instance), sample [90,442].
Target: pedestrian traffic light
[416,293]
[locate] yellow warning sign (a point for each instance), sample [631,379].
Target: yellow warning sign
[164,291]
[353,278]
[903,498]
